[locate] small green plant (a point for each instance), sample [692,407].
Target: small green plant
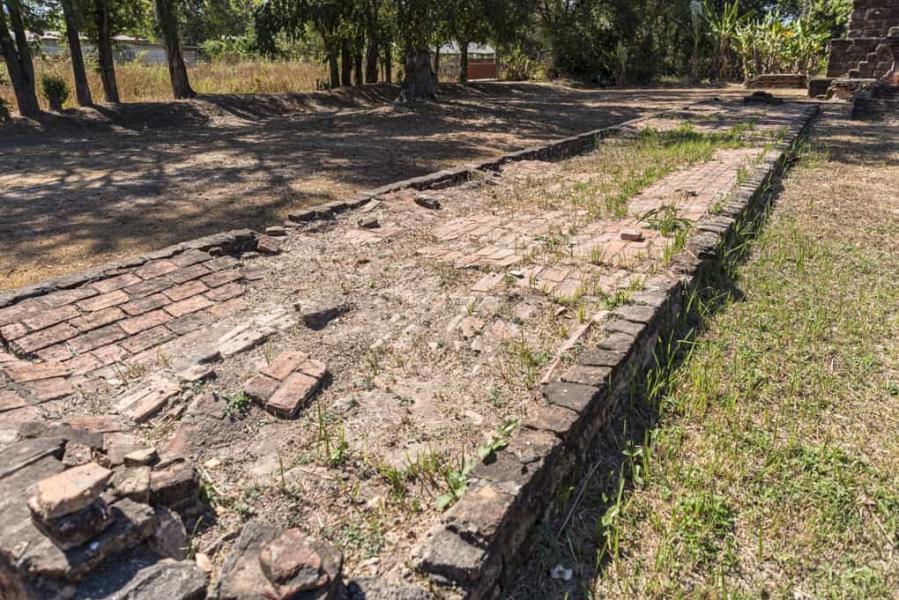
[55,90]
[334,447]
[237,404]
[456,480]
[665,220]
[499,439]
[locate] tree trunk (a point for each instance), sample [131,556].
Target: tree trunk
[346,64]
[167,20]
[82,89]
[463,62]
[371,62]
[104,52]
[333,69]
[437,60]
[388,63]
[419,81]
[357,66]
[18,60]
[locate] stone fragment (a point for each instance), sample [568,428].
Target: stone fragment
[169,538]
[368,223]
[175,486]
[141,457]
[317,316]
[132,482]
[292,564]
[276,231]
[573,396]
[69,491]
[19,455]
[471,326]
[448,557]
[267,244]
[479,515]
[168,580]
[632,235]
[242,338]
[204,562]
[141,404]
[426,201]
[77,454]
[197,373]
[71,530]
[118,445]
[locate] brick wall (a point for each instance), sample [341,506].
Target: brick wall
[863,53]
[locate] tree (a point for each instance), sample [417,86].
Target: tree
[167,22]
[17,55]
[416,22]
[466,23]
[105,59]
[82,90]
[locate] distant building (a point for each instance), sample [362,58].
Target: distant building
[126,48]
[482,63]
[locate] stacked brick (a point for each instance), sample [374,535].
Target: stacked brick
[865,53]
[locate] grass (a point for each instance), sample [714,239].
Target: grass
[147,83]
[761,457]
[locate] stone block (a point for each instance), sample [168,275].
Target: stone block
[74,529]
[69,491]
[133,483]
[175,486]
[169,580]
[267,244]
[573,396]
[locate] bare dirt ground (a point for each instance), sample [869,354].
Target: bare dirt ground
[85,189]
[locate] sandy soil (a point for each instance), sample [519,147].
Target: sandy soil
[79,190]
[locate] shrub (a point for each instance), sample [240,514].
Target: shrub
[55,90]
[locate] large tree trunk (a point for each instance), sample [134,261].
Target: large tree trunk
[333,69]
[82,89]
[104,52]
[371,62]
[388,62]
[167,19]
[419,81]
[346,63]
[17,56]
[463,62]
[357,66]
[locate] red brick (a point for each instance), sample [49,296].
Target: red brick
[155,269]
[222,277]
[95,339]
[149,287]
[314,368]
[50,389]
[57,353]
[50,317]
[97,319]
[20,311]
[267,244]
[96,423]
[82,364]
[109,354]
[228,308]
[191,257]
[186,290]
[292,395]
[284,364]
[104,301]
[188,306]
[44,338]
[13,331]
[10,401]
[147,339]
[24,372]
[261,387]
[187,324]
[226,292]
[142,305]
[116,283]
[147,400]
[63,297]
[188,273]
[145,321]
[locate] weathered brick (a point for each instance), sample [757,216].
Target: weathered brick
[62,297]
[57,353]
[104,301]
[45,390]
[50,317]
[587,375]
[156,268]
[147,339]
[149,399]
[186,290]
[149,287]
[222,277]
[187,324]
[97,319]
[267,244]
[184,307]
[109,354]
[636,313]
[69,491]
[573,396]
[22,372]
[191,257]
[292,395]
[143,305]
[145,321]
[229,307]
[555,419]
[622,326]
[116,283]
[44,338]
[225,292]
[222,262]
[10,400]
[13,331]
[96,338]
[261,387]
[284,364]
[188,273]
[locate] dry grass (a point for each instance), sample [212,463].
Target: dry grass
[765,465]
[145,83]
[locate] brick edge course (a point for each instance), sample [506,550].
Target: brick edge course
[478,540]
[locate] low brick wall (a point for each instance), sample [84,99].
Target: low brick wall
[480,537]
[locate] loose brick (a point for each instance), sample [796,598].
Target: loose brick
[267,244]
[186,290]
[96,338]
[185,307]
[116,283]
[225,292]
[50,317]
[188,273]
[261,387]
[149,287]
[104,301]
[44,338]
[221,277]
[145,321]
[147,339]
[314,368]
[142,404]
[292,395]
[284,364]
[156,268]
[24,372]
[69,491]
[144,305]
[97,319]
